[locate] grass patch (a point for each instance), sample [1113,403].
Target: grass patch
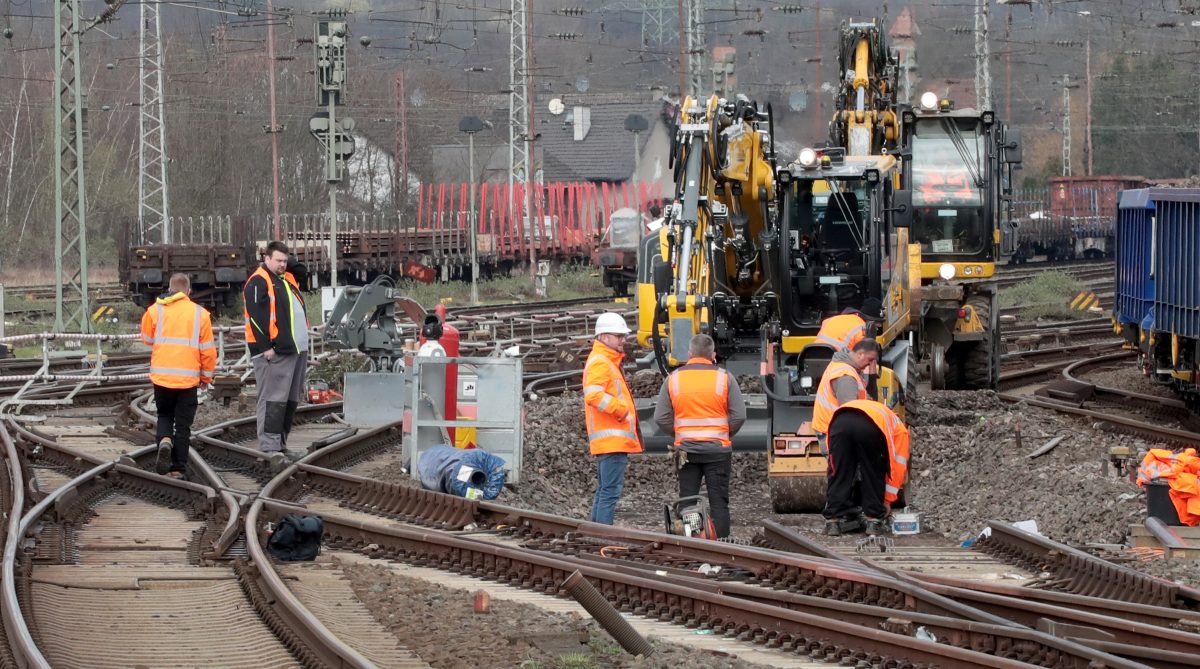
[574,661]
[603,644]
[1048,295]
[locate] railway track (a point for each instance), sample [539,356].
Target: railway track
[167,547]
[1109,407]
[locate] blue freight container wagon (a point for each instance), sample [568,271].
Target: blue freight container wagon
[1157,283]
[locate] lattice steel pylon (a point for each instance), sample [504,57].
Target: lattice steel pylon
[520,144]
[153,204]
[983,73]
[1066,127]
[696,49]
[656,22]
[70,196]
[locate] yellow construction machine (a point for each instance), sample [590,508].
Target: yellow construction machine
[758,257]
[958,166]
[844,215]
[707,269]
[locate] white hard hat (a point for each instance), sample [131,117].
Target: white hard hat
[610,323]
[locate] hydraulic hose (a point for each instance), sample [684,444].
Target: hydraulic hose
[762,379]
[660,356]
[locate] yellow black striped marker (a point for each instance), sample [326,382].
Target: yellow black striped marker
[1085,300]
[103,312]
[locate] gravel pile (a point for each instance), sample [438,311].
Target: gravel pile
[970,465]
[440,625]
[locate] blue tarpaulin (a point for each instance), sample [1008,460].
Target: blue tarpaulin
[455,470]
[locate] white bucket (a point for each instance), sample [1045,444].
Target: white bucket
[906,523]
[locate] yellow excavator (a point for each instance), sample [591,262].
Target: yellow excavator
[758,256]
[844,208]
[706,270]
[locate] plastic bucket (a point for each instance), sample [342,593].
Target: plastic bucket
[906,523]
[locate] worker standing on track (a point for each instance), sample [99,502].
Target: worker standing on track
[277,336]
[612,422]
[843,331]
[182,361]
[701,405]
[868,458]
[842,382]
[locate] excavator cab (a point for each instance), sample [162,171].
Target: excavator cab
[842,241]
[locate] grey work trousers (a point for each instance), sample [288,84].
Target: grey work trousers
[280,384]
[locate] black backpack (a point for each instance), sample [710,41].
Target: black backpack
[296,538]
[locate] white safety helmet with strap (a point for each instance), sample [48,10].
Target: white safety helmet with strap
[610,323]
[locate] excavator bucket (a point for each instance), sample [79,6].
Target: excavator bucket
[796,474]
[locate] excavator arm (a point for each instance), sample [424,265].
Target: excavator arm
[865,122]
[364,318]
[713,276]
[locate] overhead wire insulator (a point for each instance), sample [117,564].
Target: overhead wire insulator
[564,36]
[788,9]
[572,11]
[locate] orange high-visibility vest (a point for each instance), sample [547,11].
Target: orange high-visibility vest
[184,354]
[842,332]
[700,402]
[272,329]
[608,405]
[897,442]
[826,402]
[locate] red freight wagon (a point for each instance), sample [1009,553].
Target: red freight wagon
[1079,197]
[1087,207]
[566,221]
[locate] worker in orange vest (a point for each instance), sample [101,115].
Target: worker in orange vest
[612,422]
[868,455]
[702,406]
[844,380]
[277,336]
[182,360]
[851,326]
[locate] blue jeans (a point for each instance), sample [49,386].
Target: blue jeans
[610,469]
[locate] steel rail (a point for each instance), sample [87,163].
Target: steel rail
[1138,427]
[446,512]
[25,650]
[1075,617]
[750,621]
[283,602]
[11,625]
[301,636]
[1075,571]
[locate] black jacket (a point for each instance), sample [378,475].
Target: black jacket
[258,307]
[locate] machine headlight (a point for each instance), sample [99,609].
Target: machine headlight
[968,271]
[929,100]
[979,269]
[808,158]
[946,271]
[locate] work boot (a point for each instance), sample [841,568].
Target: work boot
[162,458]
[876,527]
[840,526]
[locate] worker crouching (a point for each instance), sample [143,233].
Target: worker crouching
[844,380]
[701,405]
[612,422]
[868,464]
